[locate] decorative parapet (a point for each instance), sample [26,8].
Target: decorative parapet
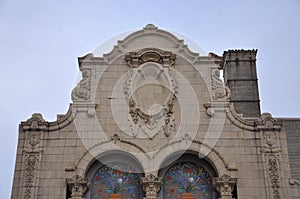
[37,124]
[224,185]
[151,185]
[77,186]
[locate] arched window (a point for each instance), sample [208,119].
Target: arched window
[116,178]
[188,175]
[114,174]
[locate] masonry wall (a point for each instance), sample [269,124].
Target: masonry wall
[292,127]
[253,155]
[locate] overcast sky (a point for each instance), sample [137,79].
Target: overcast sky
[41,40]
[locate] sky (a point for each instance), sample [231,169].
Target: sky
[41,40]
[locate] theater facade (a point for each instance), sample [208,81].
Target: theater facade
[152,119]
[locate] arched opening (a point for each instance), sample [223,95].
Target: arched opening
[115,173]
[187,176]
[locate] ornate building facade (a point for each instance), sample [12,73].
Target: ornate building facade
[152,119]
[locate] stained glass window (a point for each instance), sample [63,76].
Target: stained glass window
[187,177]
[115,178]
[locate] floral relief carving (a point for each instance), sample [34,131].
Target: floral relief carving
[31,167]
[271,153]
[83,89]
[219,90]
[150,90]
[273,171]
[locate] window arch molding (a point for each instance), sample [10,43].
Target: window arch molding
[187,158]
[107,163]
[111,156]
[188,155]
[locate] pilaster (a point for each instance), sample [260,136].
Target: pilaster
[77,186]
[224,185]
[151,185]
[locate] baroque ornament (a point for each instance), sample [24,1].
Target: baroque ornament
[135,59]
[31,167]
[271,153]
[83,89]
[151,185]
[224,185]
[219,90]
[77,186]
[150,90]
[34,138]
[273,170]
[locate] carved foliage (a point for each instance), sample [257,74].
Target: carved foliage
[83,89]
[219,90]
[135,59]
[224,185]
[151,185]
[271,153]
[272,163]
[150,92]
[273,167]
[31,167]
[77,185]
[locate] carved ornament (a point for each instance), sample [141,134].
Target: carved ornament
[34,138]
[272,160]
[82,91]
[31,167]
[224,185]
[150,90]
[219,90]
[269,129]
[135,59]
[78,186]
[151,185]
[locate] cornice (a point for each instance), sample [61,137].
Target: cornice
[265,123]
[37,123]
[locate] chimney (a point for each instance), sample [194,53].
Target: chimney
[240,76]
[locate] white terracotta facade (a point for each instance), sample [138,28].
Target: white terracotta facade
[153,100]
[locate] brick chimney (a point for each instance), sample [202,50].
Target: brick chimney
[240,76]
